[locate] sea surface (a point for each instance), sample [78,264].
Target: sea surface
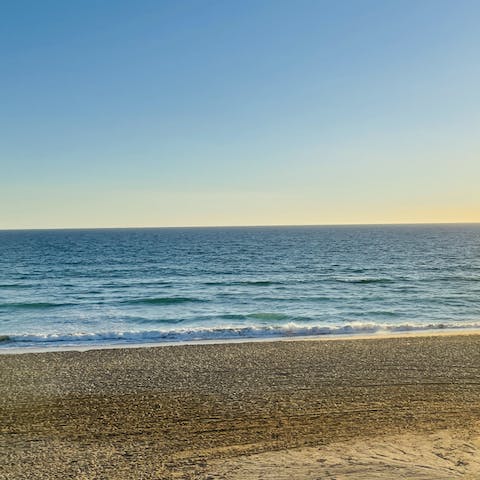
[131,286]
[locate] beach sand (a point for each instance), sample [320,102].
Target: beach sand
[402,407]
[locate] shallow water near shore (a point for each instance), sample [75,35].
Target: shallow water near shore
[134,286]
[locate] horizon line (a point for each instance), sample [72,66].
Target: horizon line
[379,224]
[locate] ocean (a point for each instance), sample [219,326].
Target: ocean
[88,288]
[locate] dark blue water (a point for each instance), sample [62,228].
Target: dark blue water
[88,287]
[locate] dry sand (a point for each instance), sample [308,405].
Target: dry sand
[352,409]
[444,455]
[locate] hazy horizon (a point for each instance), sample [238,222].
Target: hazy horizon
[159,227]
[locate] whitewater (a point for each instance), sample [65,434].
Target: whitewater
[67,288]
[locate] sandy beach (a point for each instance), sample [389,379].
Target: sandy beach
[405,407]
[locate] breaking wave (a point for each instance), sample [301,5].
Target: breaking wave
[221,333]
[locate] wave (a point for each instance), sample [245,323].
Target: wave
[364,280]
[252,283]
[14,285]
[157,321]
[304,299]
[151,283]
[222,333]
[164,301]
[262,316]
[453,278]
[33,305]
[267,316]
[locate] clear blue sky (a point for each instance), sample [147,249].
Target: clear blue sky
[153,113]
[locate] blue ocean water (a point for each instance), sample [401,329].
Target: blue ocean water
[92,287]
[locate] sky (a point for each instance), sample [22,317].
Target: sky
[221,112]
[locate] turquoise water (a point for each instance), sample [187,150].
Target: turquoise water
[103,287]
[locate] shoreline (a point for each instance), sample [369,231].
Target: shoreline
[205,411]
[294,338]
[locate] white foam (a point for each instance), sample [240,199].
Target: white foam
[222,333]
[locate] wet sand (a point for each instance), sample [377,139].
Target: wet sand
[344,409]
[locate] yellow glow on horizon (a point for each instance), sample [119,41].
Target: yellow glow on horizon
[65,208]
